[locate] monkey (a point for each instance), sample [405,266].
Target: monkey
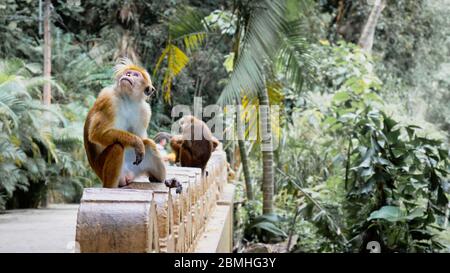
[191,152]
[115,131]
[176,142]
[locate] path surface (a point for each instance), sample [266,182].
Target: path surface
[39,230]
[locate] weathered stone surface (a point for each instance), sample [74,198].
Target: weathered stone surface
[148,217]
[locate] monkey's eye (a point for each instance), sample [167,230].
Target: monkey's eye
[132,73]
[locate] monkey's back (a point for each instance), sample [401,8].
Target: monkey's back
[104,105]
[90,148]
[199,154]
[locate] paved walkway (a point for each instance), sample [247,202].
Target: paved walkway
[39,230]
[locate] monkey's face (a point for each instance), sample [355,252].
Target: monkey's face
[134,84]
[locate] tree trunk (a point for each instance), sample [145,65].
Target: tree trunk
[241,143]
[47,93]
[243,153]
[447,213]
[267,152]
[368,33]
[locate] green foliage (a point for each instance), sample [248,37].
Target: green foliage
[221,20]
[412,50]
[176,61]
[186,26]
[265,229]
[83,73]
[392,170]
[293,59]
[17,20]
[40,150]
[261,23]
[364,147]
[86,38]
[383,180]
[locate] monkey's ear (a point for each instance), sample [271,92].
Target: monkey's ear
[149,90]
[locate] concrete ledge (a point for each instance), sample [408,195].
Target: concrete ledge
[218,234]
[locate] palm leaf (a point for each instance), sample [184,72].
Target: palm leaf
[250,105]
[194,40]
[6,100]
[176,61]
[15,178]
[259,46]
[293,59]
[189,27]
[188,23]
[71,136]
[10,151]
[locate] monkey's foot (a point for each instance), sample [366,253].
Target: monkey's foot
[126,179]
[174,183]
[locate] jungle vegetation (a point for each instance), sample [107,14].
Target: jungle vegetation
[363,88]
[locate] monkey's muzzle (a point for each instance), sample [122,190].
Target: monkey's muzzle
[126,79]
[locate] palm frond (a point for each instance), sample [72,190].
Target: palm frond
[187,26]
[259,45]
[39,81]
[194,40]
[6,101]
[187,22]
[11,66]
[9,151]
[293,59]
[176,61]
[250,106]
[52,109]
[15,178]
[71,136]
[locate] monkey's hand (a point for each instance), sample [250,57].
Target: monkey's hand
[174,183]
[139,149]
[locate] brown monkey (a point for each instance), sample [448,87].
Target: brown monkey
[175,143]
[115,131]
[189,151]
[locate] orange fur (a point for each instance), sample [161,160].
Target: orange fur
[190,152]
[125,65]
[172,157]
[108,132]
